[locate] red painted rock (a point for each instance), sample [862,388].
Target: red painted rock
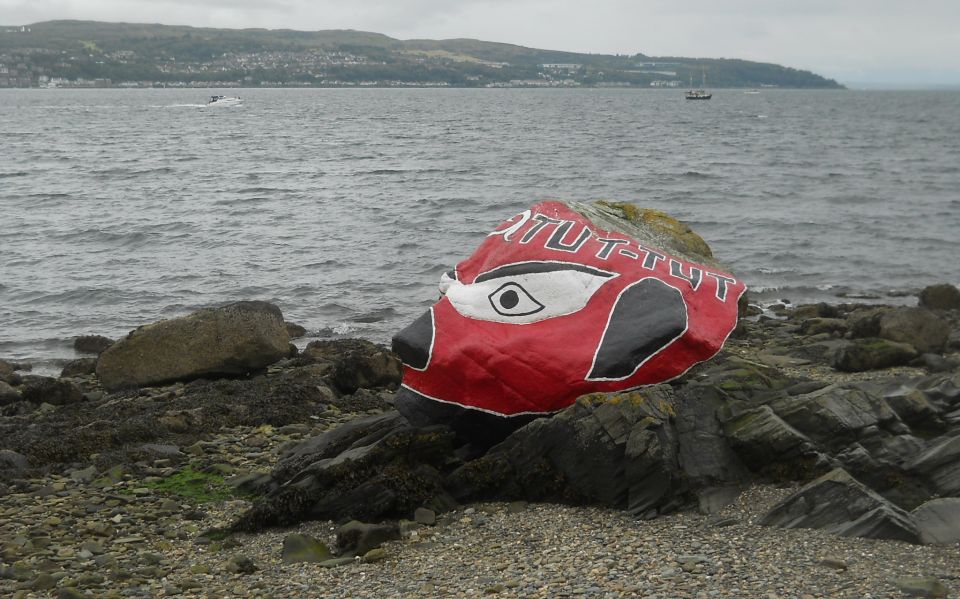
[559,301]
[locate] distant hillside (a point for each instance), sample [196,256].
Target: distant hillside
[89,53]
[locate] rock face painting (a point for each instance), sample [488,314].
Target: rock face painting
[559,301]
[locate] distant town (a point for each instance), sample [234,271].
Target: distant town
[76,54]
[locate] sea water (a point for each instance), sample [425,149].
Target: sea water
[344,206]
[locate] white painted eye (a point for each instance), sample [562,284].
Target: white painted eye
[527,292]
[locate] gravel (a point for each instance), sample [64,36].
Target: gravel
[146,549]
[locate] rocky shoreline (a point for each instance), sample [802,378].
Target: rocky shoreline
[180,486]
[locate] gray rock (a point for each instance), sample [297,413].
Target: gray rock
[232,340]
[8,394]
[57,392]
[921,586]
[713,499]
[85,475]
[760,437]
[294,331]
[240,564]
[913,406]
[705,454]
[838,503]
[940,465]
[356,363]
[304,548]
[92,344]
[366,469]
[79,367]
[357,538]
[861,355]
[939,521]
[337,562]
[11,460]
[618,450]
[425,516]
[940,297]
[816,326]
[834,563]
[834,413]
[918,327]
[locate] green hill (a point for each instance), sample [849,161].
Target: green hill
[97,53]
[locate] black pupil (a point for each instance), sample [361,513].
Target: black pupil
[509,299]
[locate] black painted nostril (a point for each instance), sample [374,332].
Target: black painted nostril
[414,344]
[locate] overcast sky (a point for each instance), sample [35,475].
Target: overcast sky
[892,41]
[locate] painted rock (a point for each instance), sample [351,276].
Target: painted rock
[559,301]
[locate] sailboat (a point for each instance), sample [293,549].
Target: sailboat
[698,94]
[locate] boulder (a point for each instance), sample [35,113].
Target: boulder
[79,367]
[563,300]
[92,344]
[861,355]
[940,297]
[57,392]
[939,521]
[919,327]
[8,394]
[6,369]
[839,504]
[228,341]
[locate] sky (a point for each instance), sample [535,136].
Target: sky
[870,42]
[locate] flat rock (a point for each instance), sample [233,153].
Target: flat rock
[921,586]
[232,340]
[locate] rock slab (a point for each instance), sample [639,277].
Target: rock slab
[838,503]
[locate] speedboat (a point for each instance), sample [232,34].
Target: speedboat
[224,101]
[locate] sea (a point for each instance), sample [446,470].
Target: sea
[344,206]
